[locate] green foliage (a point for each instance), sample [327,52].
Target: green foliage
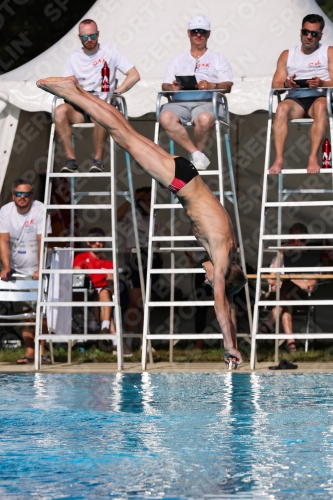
[30,27]
[321,353]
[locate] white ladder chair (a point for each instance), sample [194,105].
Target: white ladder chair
[75,204]
[264,237]
[220,124]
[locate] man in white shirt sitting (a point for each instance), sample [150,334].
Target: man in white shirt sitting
[212,71]
[307,65]
[86,65]
[21,227]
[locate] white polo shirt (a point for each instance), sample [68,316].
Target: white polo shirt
[88,69]
[211,66]
[23,230]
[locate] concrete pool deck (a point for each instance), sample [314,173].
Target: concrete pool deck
[162,367]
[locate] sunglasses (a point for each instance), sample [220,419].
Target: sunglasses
[314,34]
[84,38]
[22,193]
[198,30]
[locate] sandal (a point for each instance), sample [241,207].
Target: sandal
[284,365]
[45,360]
[291,347]
[25,360]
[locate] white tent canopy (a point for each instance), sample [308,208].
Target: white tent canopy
[250,33]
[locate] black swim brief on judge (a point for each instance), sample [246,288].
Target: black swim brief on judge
[305,102]
[185,171]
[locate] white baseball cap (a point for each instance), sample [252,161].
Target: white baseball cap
[199,21]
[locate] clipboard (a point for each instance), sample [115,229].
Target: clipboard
[188,82]
[302,83]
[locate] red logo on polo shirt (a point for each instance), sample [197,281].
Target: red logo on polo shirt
[101,60]
[318,63]
[29,222]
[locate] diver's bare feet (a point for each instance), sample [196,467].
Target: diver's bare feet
[276,167]
[313,167]
[57,85]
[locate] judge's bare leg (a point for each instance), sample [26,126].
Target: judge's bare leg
[286,110]
[319,114]
[287,324]
[176,131]
[28,334]
[64,116]
[156,162]
[100,137]
[204,124]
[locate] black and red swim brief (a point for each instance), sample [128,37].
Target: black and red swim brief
[185,171]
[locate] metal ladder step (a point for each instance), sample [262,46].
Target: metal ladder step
[86,175]
[305,236]
[296,171]
[299,203]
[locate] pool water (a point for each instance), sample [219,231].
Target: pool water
[166,436]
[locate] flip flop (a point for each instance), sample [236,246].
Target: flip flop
[25,360]
[284,365]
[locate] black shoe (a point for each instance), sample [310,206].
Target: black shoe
[105,345]
[97,166]
[71,166]
[127,352]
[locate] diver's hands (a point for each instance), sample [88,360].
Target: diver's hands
[232,358]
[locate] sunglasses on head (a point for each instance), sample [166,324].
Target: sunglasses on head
[198,30]
[84,38]
[314,34]
[22,193]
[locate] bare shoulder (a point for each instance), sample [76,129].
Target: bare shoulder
[330,52]
[283,57]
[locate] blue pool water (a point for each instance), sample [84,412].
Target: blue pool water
[166,436]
